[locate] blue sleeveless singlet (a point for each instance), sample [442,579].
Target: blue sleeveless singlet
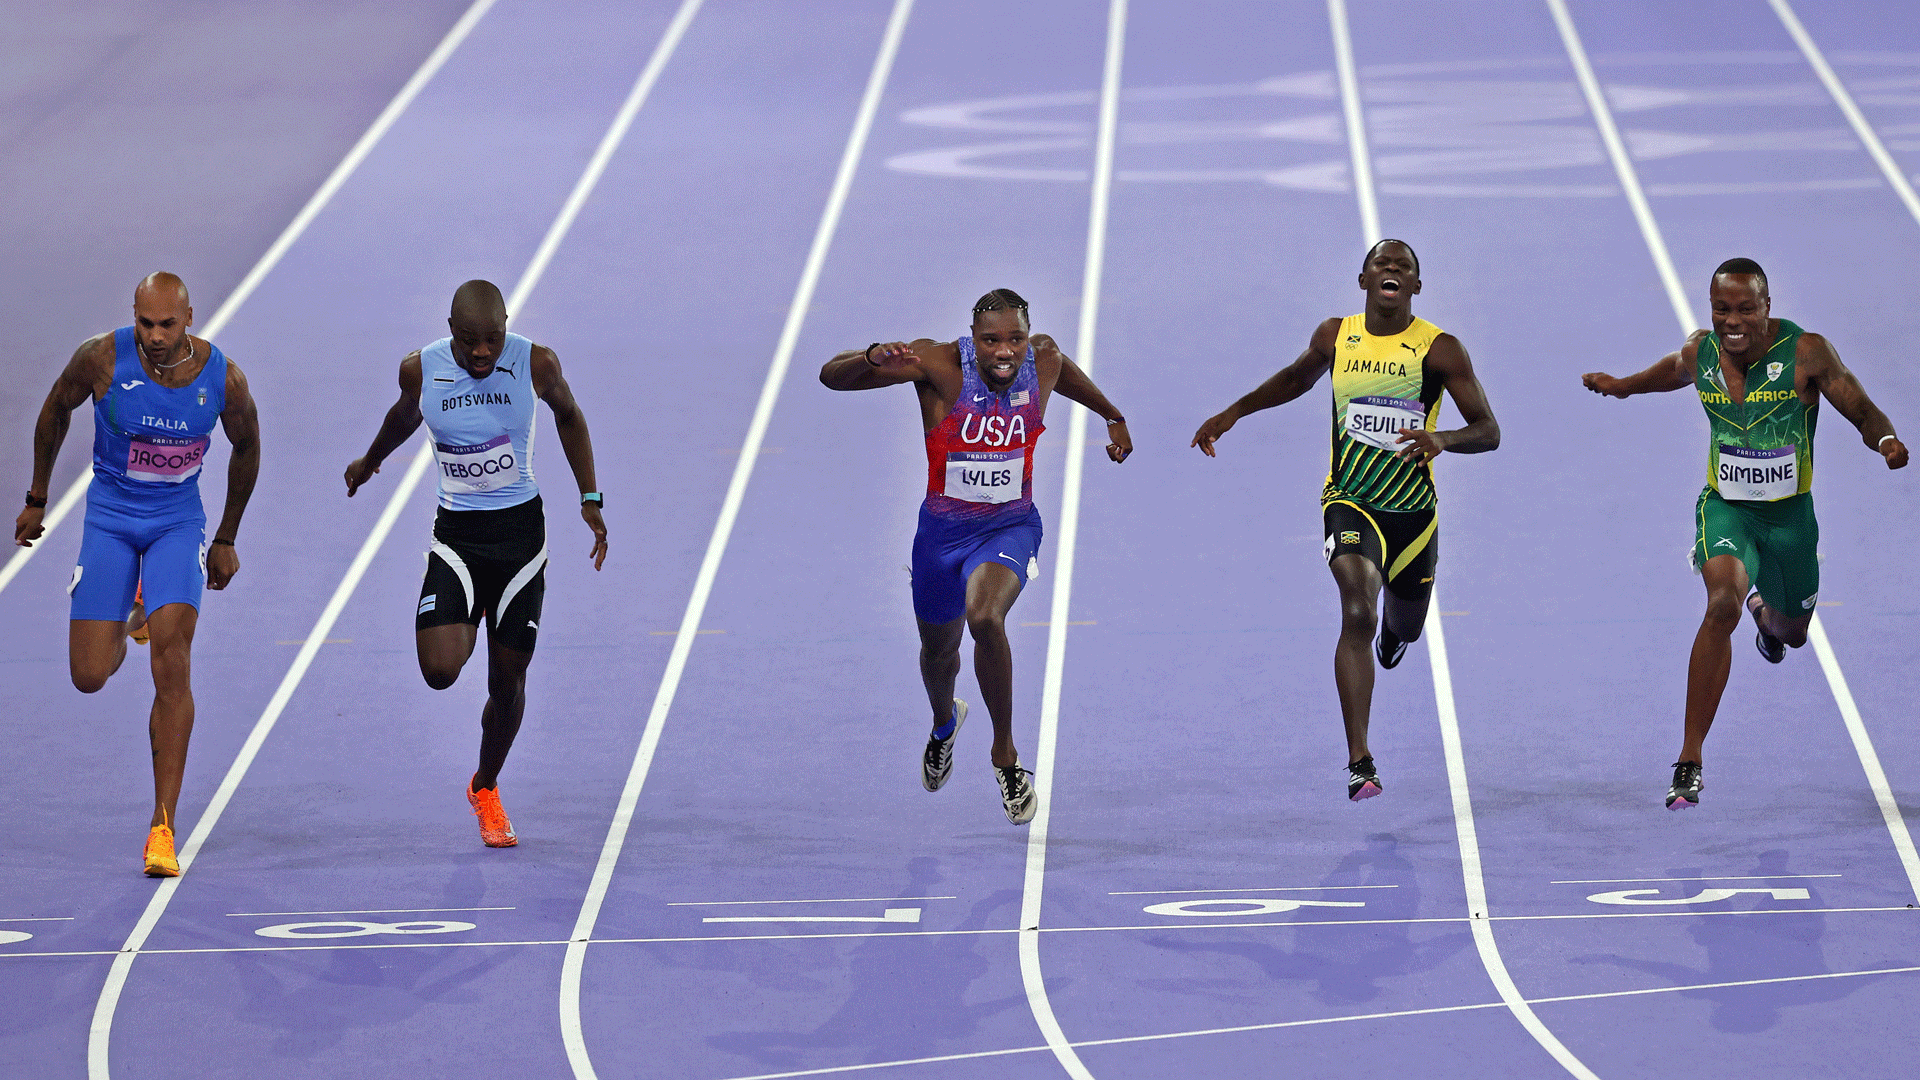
[150,441]
[482,429]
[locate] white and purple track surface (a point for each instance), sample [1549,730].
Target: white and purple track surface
[1198,898]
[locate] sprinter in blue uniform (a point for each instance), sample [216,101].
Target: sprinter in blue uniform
[157,393]
[476,389]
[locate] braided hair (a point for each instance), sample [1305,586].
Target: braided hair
[1000,300]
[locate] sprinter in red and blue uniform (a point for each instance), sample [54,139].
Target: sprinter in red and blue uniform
[983,405]
[158,392]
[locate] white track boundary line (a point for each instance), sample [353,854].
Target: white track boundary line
[1830,664]
[1889,167]
[1650,229]
[358,153]
[580,1061]
[1470,866]
[99,1036]
[1055,673]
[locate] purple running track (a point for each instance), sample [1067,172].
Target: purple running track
[1197,779]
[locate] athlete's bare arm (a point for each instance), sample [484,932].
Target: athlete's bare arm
[241,421]
[1285,385]
[1072,383]
[1448,357]
[1816,362]
[1673,371]
[571,425]
[932,366]
[86,376]
[401,422]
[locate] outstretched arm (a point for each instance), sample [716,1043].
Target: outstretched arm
[1840,387]
[1285,385]
[241,421]
[74,386]
[884,363]
[571,425]
[1482,433]
[1673,371]
[401,422]
[1074,385]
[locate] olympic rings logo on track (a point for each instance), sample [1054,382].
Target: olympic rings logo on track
[302,931]
[1474,128]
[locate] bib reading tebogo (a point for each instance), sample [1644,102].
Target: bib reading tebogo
[486,466]
[984,476]
[1758,475]
[1378,421]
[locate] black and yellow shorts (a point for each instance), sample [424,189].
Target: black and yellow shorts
[1778,542]
[1405,545]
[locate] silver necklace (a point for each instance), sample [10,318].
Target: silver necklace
[182,360]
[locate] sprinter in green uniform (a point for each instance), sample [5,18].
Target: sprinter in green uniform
[1760,380]
[1388,369]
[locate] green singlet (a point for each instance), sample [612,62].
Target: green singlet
[1758,502]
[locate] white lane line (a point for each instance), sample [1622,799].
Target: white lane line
[1723,877]
[1052,681]
[99,1036]
[1470,868]
[45,918]
[1869,759]
[1622,164]
[368,911]
[1468,836]
[852,900]
[1279,1025]
[577,1057]
[1829,663]
[358,153]
[1838,90]
[1290,888]
[1650,228]
[1356,121]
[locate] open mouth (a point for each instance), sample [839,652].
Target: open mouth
[1390,287]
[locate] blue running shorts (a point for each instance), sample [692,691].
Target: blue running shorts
[122,548]
[946,551]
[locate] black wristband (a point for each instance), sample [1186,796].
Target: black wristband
[217,540]
[36,503]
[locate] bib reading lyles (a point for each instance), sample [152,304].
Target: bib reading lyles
[1378,421]
[984,476]
[486,466]
[1758,475]
[163,460]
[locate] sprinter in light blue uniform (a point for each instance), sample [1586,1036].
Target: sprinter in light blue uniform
[476,389]
[157,393]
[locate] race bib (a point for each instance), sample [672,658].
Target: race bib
[985,476]
[1378,421]
[162,460]
[486,466]
[1757,475]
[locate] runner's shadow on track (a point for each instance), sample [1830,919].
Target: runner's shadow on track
[313,1007]
[1343,963]
[909,997]
[1742,948]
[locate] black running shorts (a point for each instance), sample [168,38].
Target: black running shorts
[491,564]
[1404,545]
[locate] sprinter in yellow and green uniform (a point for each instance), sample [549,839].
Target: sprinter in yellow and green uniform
[1388,371]
[1760,380]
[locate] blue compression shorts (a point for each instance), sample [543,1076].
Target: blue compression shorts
[121,549]
[946,552]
